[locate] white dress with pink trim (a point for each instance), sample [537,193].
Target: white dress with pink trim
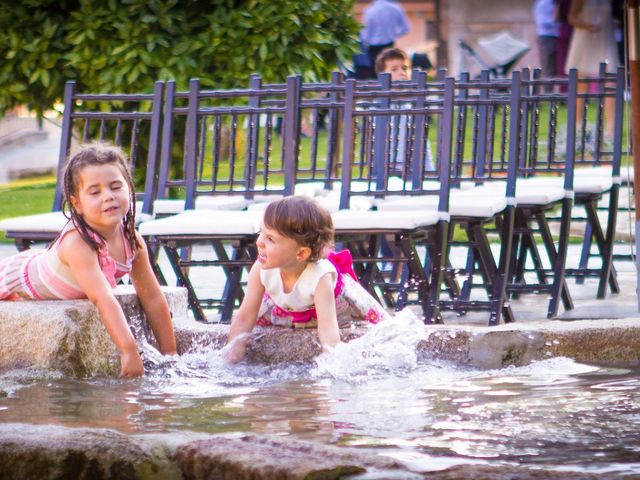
[297,308]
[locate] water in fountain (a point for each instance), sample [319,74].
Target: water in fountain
[373,393]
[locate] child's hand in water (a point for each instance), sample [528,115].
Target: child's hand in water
[234,352]
[131,364]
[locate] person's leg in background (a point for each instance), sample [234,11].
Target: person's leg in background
[548,47]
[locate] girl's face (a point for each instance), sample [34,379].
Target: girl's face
[277,251]
[102,196]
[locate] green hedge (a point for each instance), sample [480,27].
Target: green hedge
[126,45]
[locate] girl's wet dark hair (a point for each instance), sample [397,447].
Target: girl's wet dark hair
[303,220]
[97,154]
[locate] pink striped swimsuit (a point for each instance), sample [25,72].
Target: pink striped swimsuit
[39,274]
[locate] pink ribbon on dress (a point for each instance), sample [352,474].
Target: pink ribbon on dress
[343,261]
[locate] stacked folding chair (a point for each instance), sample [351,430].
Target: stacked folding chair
[582,165]
[483,193]
[598,177]
[131,121]
[228,156]
[545,186]
[365,232]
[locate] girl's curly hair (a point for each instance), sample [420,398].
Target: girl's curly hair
[303,220]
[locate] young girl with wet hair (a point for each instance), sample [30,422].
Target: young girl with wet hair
[97,246]
[297,281]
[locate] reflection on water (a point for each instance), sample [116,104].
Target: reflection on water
[371,393]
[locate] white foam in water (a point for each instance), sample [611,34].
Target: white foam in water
[206,372]
[548,368]
[388,347]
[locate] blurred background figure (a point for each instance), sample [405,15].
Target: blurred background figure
[547,29]
[617,12]
[592,42]
[395,62]
[564,37]
[384,21]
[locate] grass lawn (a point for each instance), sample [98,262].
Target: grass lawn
[26,197]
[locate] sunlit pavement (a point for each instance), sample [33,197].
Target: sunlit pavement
[530,307]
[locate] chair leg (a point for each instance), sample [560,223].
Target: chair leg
[153,250]
[428,289]
[489,271]
[183,281]
[585,252]
[527,246]
[403,294]
[499,295]
[609,270]
[558,258]
[513,261]
[23,244]
[232,290]
[363,270]
[465,291]
[365,255]
[604,244]
[450,282]
[482,254]
[384,246]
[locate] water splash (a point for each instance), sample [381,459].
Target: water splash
[387,348]
[206,372]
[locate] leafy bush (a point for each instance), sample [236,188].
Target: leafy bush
[126,45]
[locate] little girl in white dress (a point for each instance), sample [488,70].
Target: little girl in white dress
[297,282]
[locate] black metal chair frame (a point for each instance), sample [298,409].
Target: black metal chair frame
[534,219]
[111,127]
[603,238]
[195,184]
[365,243]
[484,166]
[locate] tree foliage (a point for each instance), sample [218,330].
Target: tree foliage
[126,45]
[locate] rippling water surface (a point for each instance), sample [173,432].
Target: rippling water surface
[372,393]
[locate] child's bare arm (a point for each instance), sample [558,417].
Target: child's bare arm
[83,261]
[153,301]
[245,319]
[325,304]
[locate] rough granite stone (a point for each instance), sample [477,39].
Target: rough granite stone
[256,457]
[53,452]
[68,335]
[43,452]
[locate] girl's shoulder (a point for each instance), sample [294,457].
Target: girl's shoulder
[71,246]
[323,266]
[318,269]
[69,237]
